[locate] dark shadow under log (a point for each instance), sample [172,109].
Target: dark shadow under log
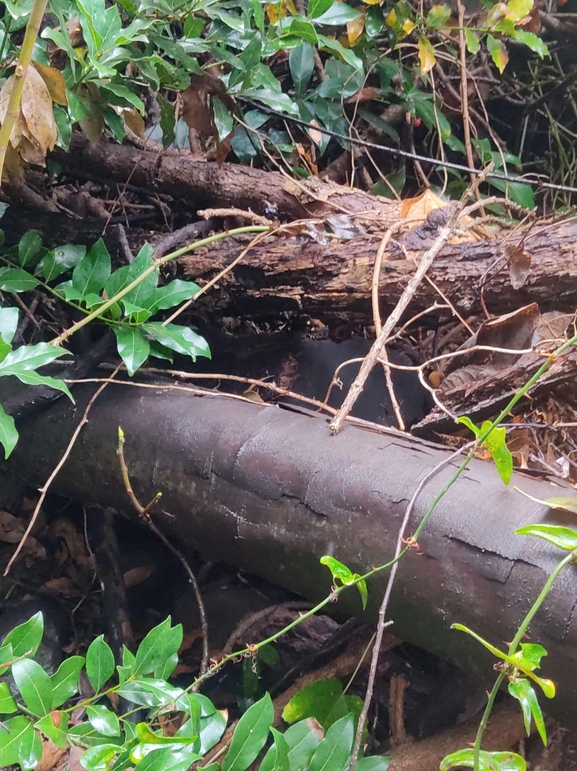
[272,491]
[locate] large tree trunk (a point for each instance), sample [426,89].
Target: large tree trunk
[272,491]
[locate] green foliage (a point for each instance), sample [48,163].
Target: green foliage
[495,442]
[343,575]
[126,299]
[488,761]
[39,709]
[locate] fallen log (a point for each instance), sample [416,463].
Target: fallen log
[272,491]
[332,282]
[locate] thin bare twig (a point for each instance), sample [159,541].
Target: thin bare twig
[144,514]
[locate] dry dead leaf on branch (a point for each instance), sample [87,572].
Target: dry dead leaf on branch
[519,264]
[133,120]
[34,132]
[55,82]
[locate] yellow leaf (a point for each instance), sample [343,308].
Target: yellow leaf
[426,55]
[16,135]
[355,29]
[291,7]
[273,12]
[372,2]
[392,21]
[343,40]
[421,205]
[408,27]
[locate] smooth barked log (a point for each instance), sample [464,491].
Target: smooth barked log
[271,491]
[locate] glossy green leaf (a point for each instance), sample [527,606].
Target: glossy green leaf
[347,55]
[34,686]
[180,339]
[302,742]
[334,750]
[29,248]
[340,572]
[25,638]
[140,294]
[519,9]
[281,750]
[12,736]
[33,378]
[98,758]
[488,761]
[159,643]
[7,703]
[563,537]
[532,41]
[337,14]
[518,192]
[60,260]
[222,118]
[91,273]
[65,680]
[316,8]
[472,41]
[212,727]
[103,720]
[16,280]
[249,736]
[8,323]
[29,357]
[374,763]
[301,65]
[522,690]
[314,700]
[57,734]
[8,433]
[99,663]
[150,692]
[133,347]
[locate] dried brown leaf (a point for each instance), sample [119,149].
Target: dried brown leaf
[54,81]
[36,107]
[519,264]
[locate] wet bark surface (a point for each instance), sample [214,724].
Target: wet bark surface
[272,491]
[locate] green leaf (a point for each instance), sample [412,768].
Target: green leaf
[473,42]
[34,685]
[25,638]
[212,728]
[340,572]
[180,339]
[8,433]
[150,692]
[519,9]
[498,52]
[222,118]
[91,273]
[29,248]
[98,758]
[142,292]
[438,16]
[249,736]
[99,663]
[33,378]
[488,761]
[337,14]
[19,743]
[531,41]
[563,537]
[30,357]
[158,644]
[16,280]
[496,444]
[302,64]
[314,700]
[518,192]
[334,750]
[7,704]
[59,260]
[345,53]
[316,8]
[172,294]
[133,347]
[103,720]
[281,760]
[302,744]
[8,323]
[374,763]
[58,734]
[522,690]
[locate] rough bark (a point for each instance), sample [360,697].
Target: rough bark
[207,184]
[272,491]
[333,282]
